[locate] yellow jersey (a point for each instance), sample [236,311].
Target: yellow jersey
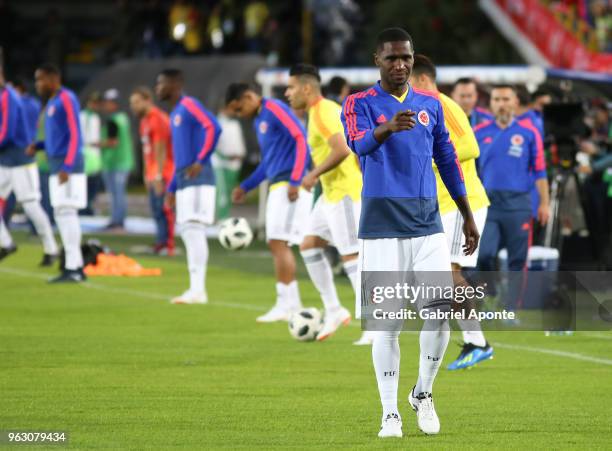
[345,179]
[466,146]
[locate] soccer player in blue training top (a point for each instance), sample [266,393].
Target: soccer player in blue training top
[67,183]
[195,133]
[510,151]
[19,174]
[284,161]
[396,130]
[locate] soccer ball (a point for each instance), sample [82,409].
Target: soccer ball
[305,324]
[235,234]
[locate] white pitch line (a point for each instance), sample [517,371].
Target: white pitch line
[241,306]
[130,292]
[569,355]
[597,335]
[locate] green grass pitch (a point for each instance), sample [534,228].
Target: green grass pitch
[116,366]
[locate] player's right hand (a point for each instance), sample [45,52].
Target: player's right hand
[62,177]
[30,150]
[309,181]
[170,200]
[402,120]
[238,195]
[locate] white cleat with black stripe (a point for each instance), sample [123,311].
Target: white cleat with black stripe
[391,426]
[427,418]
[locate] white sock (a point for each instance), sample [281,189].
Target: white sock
[350,268]
[386,358]
[320,273]
[472,332]
[433,341]
[5,237]
[196,247]
[37,215]
[294,295]
[67,220]
[282,294]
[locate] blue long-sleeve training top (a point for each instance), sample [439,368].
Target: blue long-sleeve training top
[510,160]
[282,141]
[195,132]
[32,109]
[399,197]
[63,140]
[14,136]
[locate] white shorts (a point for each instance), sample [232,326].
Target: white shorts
[22,180]
[285,220]
[337,223]
[453,229]
[72,194]
[423,254]
[196,204]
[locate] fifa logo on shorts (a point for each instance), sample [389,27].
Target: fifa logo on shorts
[433,359]
[389,373]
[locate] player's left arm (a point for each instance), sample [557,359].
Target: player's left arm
[538,166]
[212,131]
[450,170]
[7,125]
[159,137]
[71,111]
[301,149]
[461,135]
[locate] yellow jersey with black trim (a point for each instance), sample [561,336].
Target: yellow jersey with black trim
[466,146]
[345,179]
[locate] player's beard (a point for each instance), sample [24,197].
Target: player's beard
[504,117]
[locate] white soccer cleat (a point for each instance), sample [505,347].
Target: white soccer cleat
[277,313]
[427,418]
[190,298]
[366,339]
[391,426]
[332,321]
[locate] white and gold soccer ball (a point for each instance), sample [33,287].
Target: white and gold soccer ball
[305,324]
[235,234]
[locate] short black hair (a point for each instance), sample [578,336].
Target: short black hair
[19,82]
[235,91]
[335,85]
[540,92]
[464,81]
[394,34]
[504,86]
[424,66]
[49,69]
[173,74]
[304,69]
[523,95]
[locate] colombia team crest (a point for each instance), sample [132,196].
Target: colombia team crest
[517,140]
[177,120]
[423,118]
[263,127]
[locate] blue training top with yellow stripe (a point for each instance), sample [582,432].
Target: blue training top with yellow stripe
[399,197]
